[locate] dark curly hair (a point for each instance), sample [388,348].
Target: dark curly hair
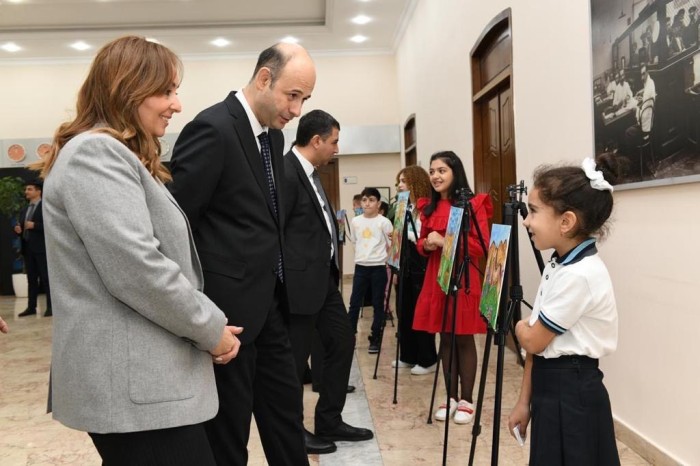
[567,188]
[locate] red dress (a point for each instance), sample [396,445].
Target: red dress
[431,301]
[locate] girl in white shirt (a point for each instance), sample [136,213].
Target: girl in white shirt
[573,323]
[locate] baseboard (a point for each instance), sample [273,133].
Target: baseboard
[643,447]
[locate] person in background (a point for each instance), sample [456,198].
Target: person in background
[4,328]
[573,322]
[31,230]
[133,335]
[372,236]
[357,204]
[417,348]
[448,180]
[315,304]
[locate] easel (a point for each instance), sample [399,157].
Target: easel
[399,302]
[463,197]
[511,303]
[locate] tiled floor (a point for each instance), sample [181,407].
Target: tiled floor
[28,436]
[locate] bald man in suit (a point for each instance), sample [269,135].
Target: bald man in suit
[227,171]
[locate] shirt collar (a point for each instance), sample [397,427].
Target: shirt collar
[305,164]
[254,123]
[584,249]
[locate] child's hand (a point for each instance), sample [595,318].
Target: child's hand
[519,416]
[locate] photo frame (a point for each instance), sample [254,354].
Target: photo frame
[385,192]
[646,89]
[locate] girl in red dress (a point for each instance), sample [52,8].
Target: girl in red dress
[448,178]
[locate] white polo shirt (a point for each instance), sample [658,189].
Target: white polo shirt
[575,300]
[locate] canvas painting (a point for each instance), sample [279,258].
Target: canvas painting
[494,274]
[447,259]
[397,235]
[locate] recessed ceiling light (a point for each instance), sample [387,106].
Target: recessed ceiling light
[290,40]
[220,42]
[80,46]
[10,47]
[152,39]
[15,1]
[361,19]
[358,39]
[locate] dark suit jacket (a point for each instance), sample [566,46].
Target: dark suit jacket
[307,242]
[35,241]
[219,181]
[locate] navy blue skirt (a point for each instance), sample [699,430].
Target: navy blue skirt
[571,418]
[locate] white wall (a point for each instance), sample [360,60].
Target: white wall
[36,98]
[652,254]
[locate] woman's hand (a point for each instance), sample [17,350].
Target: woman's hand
[228,345]
[433,241]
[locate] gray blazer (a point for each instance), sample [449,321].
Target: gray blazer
[131,325]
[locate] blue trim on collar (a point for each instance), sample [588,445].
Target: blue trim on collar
[584,249]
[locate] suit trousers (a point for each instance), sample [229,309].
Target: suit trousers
[332,327]
[178,446]
[260,381]
[37,269]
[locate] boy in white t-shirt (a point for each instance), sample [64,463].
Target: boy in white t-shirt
[371,234]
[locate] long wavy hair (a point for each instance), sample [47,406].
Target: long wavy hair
[417,180]
[123,74]
[459,180]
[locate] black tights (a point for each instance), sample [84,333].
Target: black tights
[463,364]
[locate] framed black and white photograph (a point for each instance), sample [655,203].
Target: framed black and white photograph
[646,88]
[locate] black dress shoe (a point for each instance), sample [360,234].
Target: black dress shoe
[27,312]
[346,433]
[48,313]
[351,388]
[317,446]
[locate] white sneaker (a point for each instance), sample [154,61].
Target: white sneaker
[441,413]
[401,364]
[465,412]
[420,370]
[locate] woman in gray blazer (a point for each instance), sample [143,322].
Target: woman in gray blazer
[133,334]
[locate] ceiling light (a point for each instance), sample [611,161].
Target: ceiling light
[220,42]
[361,19]
[358,39]
[80,46]
[10,47]
[152,39]
[290,40]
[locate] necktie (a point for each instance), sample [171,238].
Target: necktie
[267,165]
[28,218]
[327,208]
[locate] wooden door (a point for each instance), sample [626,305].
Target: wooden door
[494,138]
[497,157]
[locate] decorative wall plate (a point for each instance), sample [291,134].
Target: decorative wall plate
[42,150]
[16,152]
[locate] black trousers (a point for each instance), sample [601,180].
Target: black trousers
[416,346]
[178,446]
[572,422]
[332,327]
[260,381]
[35,264]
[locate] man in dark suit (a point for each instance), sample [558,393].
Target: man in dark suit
[31,229]
[311,270]
[228,176]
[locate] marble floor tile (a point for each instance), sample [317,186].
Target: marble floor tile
[28,436]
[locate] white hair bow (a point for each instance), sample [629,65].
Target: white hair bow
[598,181]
